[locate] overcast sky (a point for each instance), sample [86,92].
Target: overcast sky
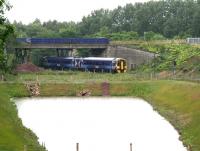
[61,10]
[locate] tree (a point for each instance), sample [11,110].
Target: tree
[5,30]
[93,23]
[196,22]
[69,30]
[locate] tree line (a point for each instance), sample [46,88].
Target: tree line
[159,19]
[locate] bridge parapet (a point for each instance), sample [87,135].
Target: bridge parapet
[61,43]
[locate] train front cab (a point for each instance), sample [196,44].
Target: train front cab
[121,65]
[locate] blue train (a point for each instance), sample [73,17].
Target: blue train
[94,64]
[63,40]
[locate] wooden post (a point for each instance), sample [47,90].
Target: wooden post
[77,146]
[131,147]
[25,148]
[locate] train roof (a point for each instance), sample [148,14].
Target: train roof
[87,58]
[52,57]
[99,58]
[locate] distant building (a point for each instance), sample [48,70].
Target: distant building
[193,40]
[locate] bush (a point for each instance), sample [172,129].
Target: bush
[150,35]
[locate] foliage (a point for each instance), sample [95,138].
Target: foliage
[167,54]
[124,35]
[153,36]
[5,31]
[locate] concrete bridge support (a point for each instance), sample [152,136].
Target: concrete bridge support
[64,52]
[23,55]
[134,57]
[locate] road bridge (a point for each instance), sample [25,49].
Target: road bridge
[63,46]
[61,43]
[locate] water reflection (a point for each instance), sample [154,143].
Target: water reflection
[98,124]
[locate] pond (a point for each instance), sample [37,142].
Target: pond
[98,124]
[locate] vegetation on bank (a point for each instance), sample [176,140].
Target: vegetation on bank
[178,101]
[50,76]
[13,135]
[181,57]
[170,55]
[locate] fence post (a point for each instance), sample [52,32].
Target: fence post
[25,148]
[131,147]
[77,146]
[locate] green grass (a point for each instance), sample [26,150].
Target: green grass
[70,77]
[177,101]
[13,136]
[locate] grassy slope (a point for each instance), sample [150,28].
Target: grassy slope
[178,101]
[13,136]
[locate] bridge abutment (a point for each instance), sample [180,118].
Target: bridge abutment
[134,57]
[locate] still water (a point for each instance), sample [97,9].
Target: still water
[98,124]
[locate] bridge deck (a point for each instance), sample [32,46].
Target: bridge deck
[57,46]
